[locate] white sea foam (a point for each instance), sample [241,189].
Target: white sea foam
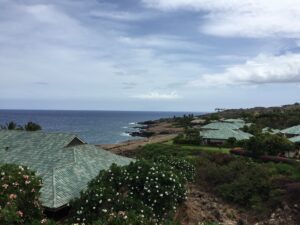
[124,134]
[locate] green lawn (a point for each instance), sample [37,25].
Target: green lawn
[200,147]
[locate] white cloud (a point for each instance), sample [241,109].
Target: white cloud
[158,96]
[241,18]
[263,69]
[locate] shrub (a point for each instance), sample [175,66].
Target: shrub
[180,166]
[19,195]
[243,181]
[151,191]
[30,126]
[190,137]
[268,144]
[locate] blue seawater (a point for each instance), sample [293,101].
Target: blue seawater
[95,127]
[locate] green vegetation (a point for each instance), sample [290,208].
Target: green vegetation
[146,192]
[19,196]
[190,136]
[248,183]
[30,126]
[184,121]
[273,117]
[251,184]
[268,144]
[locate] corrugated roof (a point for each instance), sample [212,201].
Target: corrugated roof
[224,134]
[222,125]
[295,139]
[292,130]
[65,170]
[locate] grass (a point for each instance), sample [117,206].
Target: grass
[290,170]
[184,151]
[200,147]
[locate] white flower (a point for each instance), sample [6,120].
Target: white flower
[109,200]
[104,210]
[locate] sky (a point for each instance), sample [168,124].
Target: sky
[153,55]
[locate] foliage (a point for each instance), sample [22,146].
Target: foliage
[184,121]
[190,136]
[149,190]
[243,181]
[231,142]
[30,126]
[268,144]
[252,129]
[19,195]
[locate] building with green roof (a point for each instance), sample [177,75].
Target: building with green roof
[221,125]
[221,135]
[291,131]
[295,139]
[64,162]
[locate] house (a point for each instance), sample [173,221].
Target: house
[64,162]
[291,131]
[221,125]
[219,136]
[295,139]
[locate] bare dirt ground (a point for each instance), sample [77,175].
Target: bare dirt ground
[202,206]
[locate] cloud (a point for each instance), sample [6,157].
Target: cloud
[120,15]
[242,18]
[158,96]
[263,69]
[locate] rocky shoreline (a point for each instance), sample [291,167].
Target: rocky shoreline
[150,131]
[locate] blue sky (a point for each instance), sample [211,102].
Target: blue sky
[178,55]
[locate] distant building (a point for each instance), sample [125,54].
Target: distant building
[221,125]
[64,162]
[295,139]
[219,136]
[291,131]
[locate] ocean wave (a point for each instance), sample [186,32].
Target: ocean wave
[132,123]
[124,134]
[125,127]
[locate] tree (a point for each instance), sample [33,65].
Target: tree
[30,126]
[268,144]
[231,141]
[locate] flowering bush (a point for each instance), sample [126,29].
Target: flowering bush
[19,192]
[149,190]
[180,166]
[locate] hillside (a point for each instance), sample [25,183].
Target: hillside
[275,117]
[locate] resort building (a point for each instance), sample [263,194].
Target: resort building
[218,137]
[64,162]
[221,125]
[291,131]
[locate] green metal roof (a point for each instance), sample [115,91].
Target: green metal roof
[65,170]
[270,130]
[292,130]
[234,120]
[295,139]
[222,125]
[224,134]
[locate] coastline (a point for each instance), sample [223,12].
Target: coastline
[151,132]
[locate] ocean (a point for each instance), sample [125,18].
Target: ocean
[95,127]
